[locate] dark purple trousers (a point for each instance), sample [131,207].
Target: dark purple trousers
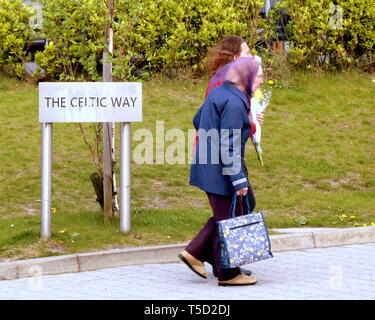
[204,246]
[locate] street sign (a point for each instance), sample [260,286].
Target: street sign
[90,102]
[87,102]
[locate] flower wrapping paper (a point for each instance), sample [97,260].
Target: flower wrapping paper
[243,239]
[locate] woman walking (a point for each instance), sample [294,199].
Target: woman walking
[223,129]
[229,49]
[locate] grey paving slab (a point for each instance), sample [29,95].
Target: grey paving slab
[344,272]
[291,240]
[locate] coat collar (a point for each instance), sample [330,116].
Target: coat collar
[237,92]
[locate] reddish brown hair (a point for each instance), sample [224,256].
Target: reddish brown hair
[223,53]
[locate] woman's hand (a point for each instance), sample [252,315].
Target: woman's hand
[242,192]
[260,118]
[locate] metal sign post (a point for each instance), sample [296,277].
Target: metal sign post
[125,216]
[88,102]
[46,162]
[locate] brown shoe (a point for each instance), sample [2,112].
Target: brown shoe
[240,280]
[194,264]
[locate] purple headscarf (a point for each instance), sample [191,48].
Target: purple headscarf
[240,72]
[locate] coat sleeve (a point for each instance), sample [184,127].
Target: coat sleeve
[231,123]
[197,118]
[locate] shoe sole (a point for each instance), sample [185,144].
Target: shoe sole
[190,266]
[246,273]
[235,284]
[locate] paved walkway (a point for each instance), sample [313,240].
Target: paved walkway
[345,272]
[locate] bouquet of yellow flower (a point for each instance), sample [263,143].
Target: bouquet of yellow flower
[259,103]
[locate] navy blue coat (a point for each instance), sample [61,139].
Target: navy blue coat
[223,128]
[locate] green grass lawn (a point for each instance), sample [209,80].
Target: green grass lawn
[318,145]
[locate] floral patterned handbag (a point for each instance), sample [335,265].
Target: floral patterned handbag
[243,239]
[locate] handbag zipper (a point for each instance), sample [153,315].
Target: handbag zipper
[244,225]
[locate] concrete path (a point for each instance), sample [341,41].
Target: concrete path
[343,272]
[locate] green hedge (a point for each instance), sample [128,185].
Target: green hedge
[75,30]
[321,35]
[173,35]
[149,35]
[15,35]
[166,35]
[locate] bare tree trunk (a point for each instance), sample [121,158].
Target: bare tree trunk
[107,126]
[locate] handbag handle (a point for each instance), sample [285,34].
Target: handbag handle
[232,209]
[246,206]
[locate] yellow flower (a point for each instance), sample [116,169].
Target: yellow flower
[258,95]
[352,217]
[53,210]
[356,225]
[235,246]
[270,82]
[373,223]
[364,225]
[344,216]
[62,231]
